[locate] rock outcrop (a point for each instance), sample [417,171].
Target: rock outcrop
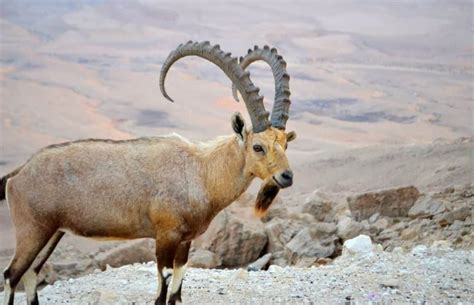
[237,241]
[201,258]
[311,233]
[392,202]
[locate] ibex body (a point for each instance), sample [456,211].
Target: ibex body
[165,188]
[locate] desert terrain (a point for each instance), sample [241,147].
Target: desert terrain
[381,92]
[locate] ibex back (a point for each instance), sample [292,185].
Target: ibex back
[165,188]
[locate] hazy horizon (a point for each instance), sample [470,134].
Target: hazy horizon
[361,74]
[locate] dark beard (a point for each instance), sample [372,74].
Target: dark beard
[268,191]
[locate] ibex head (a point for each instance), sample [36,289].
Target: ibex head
[266,142]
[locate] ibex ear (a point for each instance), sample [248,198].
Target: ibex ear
[238,125]
[290,136]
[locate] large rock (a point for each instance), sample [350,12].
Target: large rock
[427,206]
[392,202]
[409,233]
[320,206]
[361,244]
[348,228]
[280,232]
[387,234]
[317,240]
[277,211]
[236,239]
[450,217]
[135,251]
[260,263]
[201,258]
[381,224]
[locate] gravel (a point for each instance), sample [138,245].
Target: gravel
[425,275]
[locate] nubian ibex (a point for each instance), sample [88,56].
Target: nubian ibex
[166,188]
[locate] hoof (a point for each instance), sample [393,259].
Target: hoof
[175,298]
[160,302]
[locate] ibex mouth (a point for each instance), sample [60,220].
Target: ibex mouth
[278,183]
[282,184]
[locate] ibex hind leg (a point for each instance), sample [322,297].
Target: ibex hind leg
[30,239]
[31,275]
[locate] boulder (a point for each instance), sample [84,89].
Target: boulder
[306,262]
[361,244]
[427,206]
[387,234]
[201,258]
[450,217]
[260,263]
[279,259]
[275,211]
[135,251]
[409,233]
[392,202]
[317,240]
[302,217]
[467,191]
[381,224]
[280,232]
[348,228]
[320,206]
[400,225]
[237,239]
[374,218]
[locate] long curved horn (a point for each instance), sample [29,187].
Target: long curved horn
[230,66]
[282,101]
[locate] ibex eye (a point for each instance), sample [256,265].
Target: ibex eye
[257,148]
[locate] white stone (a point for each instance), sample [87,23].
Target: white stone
[441,245]
[361,244]
[275,268]
[378,248]
[398,250]
[419,250]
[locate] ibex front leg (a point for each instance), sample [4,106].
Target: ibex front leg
[179,268]
[166,247]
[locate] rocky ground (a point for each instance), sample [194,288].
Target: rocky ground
[363,274]
[301,233]
[388,246]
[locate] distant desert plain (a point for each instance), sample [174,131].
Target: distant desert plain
[382,91]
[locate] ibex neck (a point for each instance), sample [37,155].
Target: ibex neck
[224,163]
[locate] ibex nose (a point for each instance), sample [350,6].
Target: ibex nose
[287,175]
[285,179]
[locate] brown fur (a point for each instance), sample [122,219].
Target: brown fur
[164,188]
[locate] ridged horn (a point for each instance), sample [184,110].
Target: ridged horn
[229,65]
[282,100]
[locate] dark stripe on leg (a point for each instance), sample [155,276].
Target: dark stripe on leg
[51,246]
